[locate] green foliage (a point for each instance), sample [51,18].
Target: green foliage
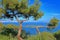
[12,26]
[2,37]
[12,30]
[53,23]
[24,34]
[13,33]
[8,31]
[1,25]
[1,10]
[57,35]
[10,1]
[22,8]
[42,36]
[47,36]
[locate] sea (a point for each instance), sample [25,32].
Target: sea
[30,27]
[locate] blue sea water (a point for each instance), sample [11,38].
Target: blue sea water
[33,30]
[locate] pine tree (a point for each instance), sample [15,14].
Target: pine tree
[53,23]
[15,9]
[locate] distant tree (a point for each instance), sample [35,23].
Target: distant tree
[53,23]
[15,9]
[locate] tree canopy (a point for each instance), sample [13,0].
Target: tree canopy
[15,8]
[53,23]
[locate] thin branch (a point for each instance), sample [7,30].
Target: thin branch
[37,29]
[20,21]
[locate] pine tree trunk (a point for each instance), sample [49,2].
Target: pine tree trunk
[20,29]
[19,33]
[37,29]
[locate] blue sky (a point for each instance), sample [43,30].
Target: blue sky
[50,8]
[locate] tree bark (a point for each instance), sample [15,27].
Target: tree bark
[20,29]
[19,33]
[37,29]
